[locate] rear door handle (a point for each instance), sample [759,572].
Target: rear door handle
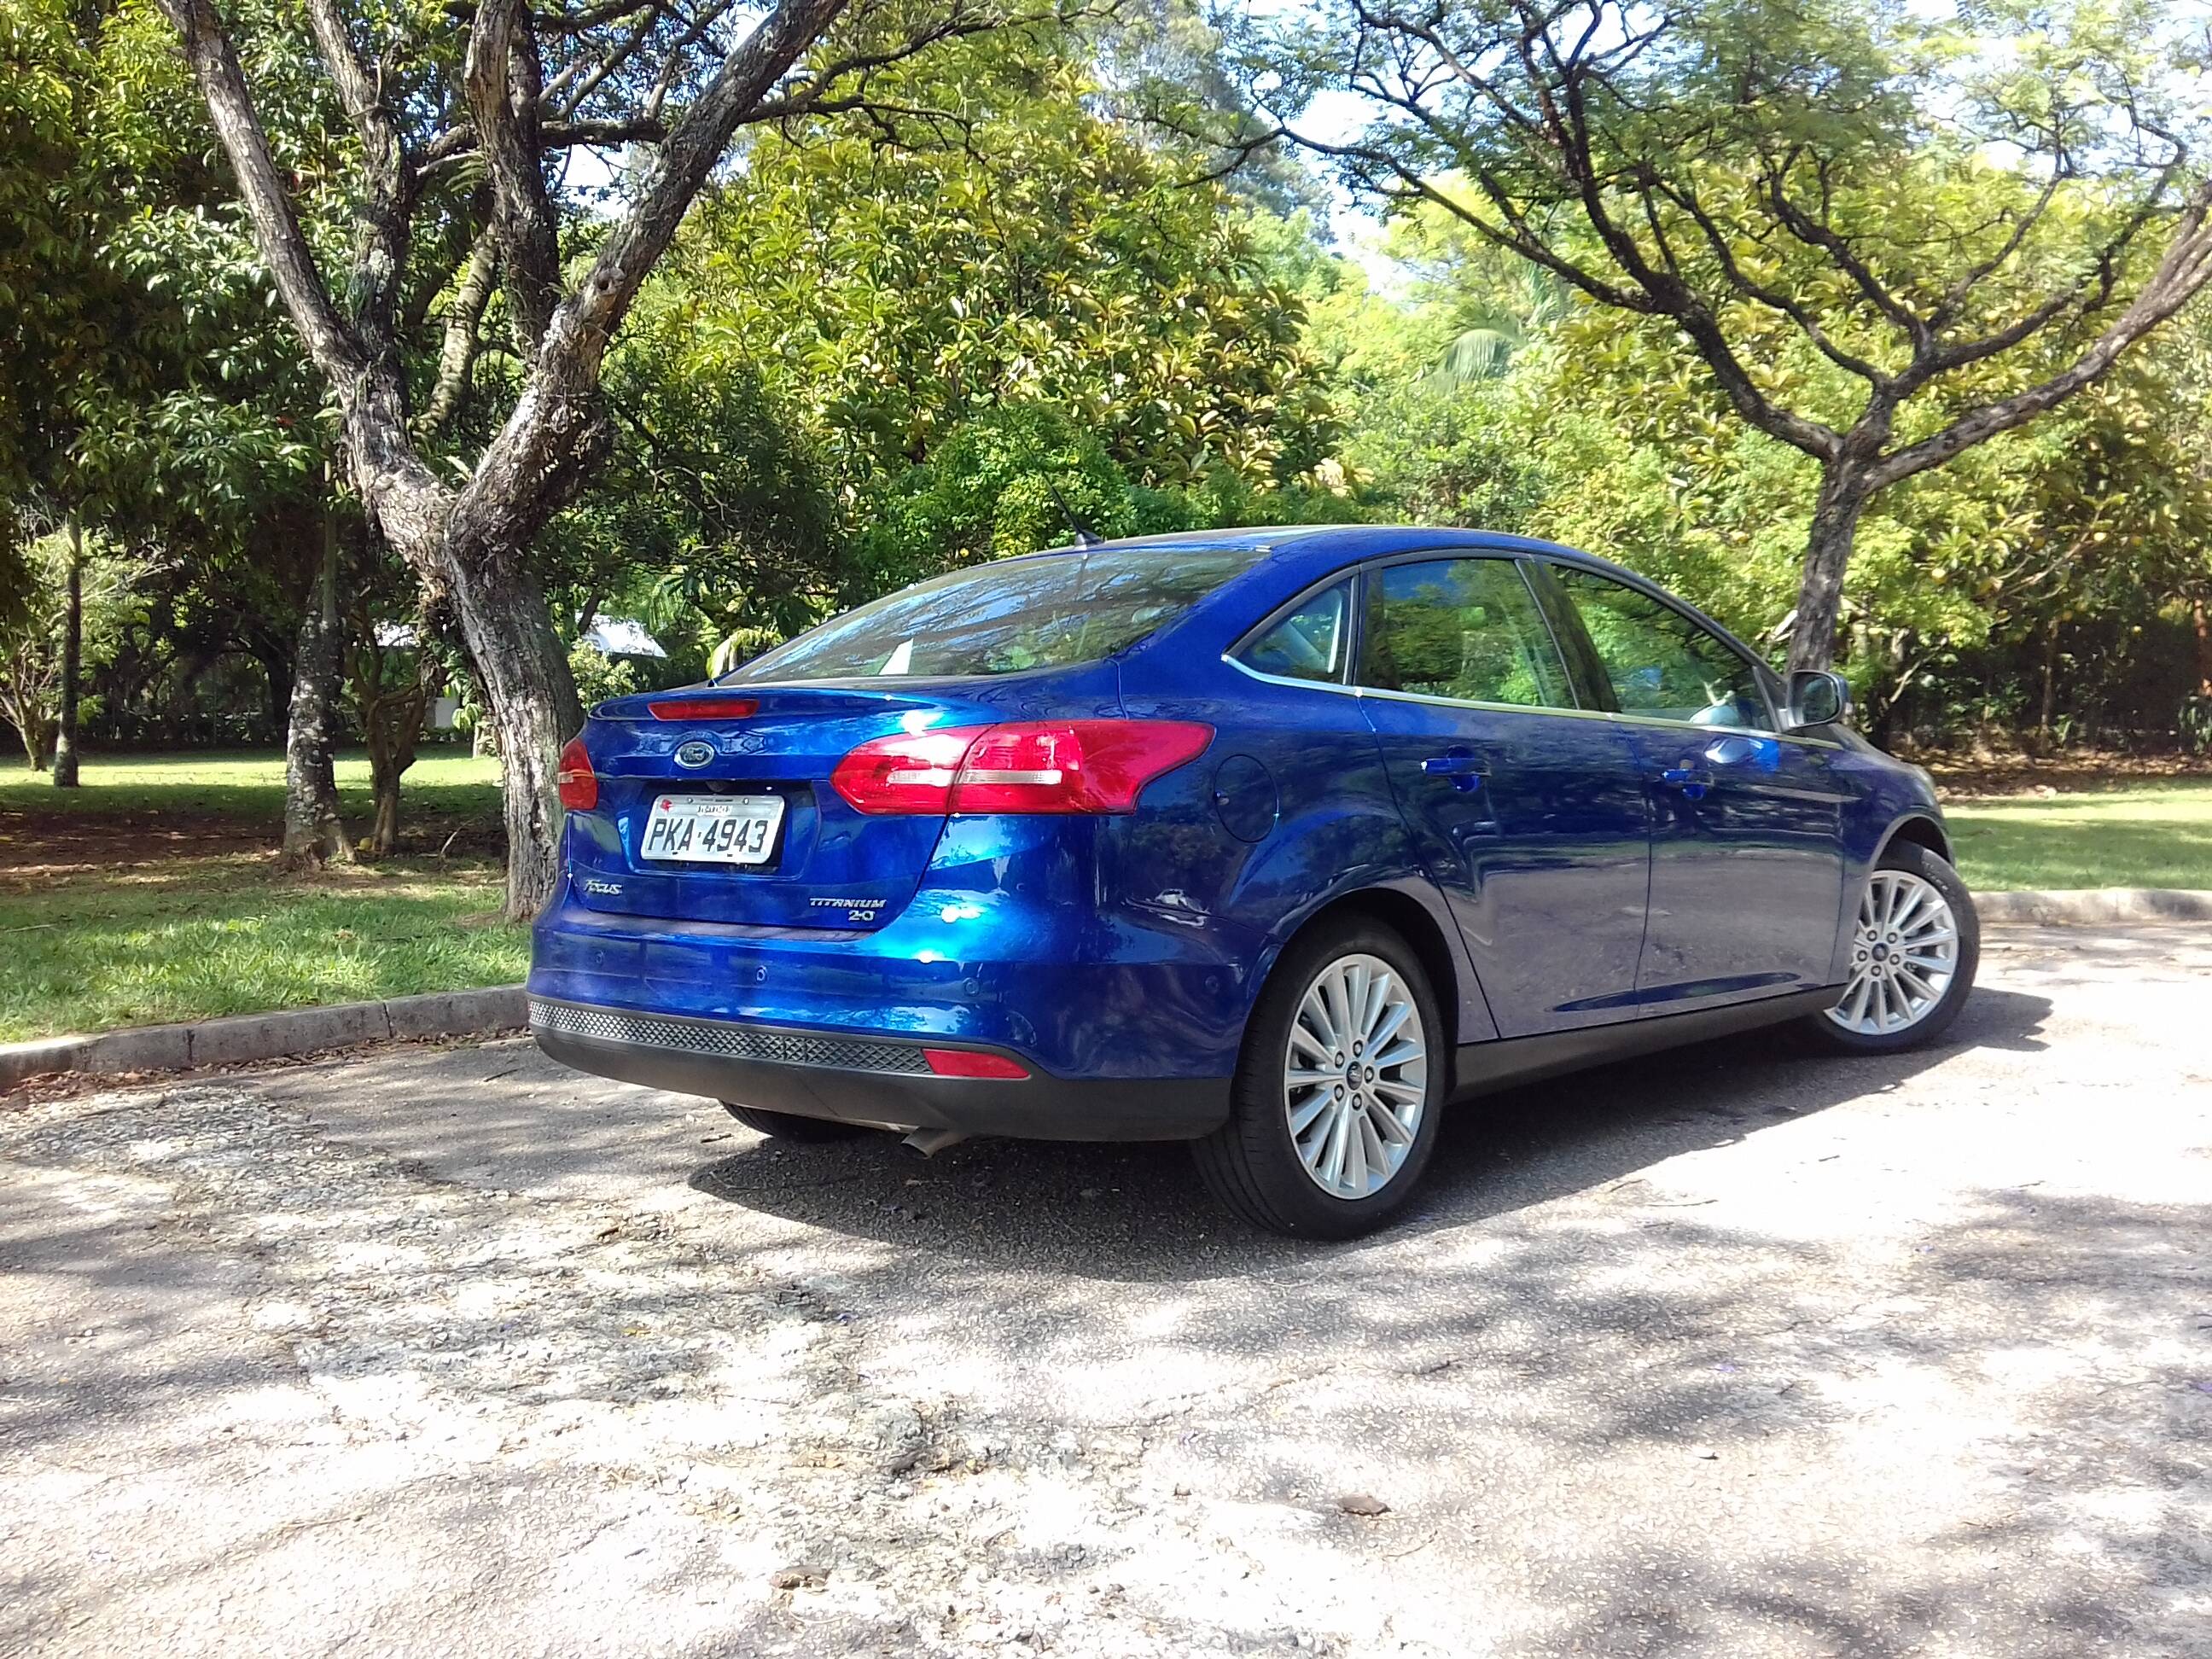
[1462,766]
[1691,782]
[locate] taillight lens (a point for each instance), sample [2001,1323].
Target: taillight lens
[967,1062]
[580,785]
[1072,766]
[906,772]
[703,708]
[1057,765]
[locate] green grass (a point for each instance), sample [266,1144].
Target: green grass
[2135,834]
[223,938]
[249,789]
[151,895]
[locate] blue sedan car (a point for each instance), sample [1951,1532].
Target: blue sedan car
[1279,841]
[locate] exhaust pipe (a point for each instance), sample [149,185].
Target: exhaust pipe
[929,1142]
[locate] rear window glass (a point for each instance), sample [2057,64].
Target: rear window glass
[1003,618]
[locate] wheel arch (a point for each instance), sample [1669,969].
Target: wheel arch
[1922,831]
[1430,938]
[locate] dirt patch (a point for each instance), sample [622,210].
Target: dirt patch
[1962,775]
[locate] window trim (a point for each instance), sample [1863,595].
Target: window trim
[1347,579]
[1359,576]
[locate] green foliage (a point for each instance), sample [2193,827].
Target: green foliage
[599,676]
[1050,255]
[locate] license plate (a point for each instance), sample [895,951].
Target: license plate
[712,829]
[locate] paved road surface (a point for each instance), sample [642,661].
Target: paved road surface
[1739,1352]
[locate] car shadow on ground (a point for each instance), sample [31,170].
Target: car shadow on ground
[1140,1213]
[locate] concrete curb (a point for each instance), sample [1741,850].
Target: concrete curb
[266,1036]
[2090,905]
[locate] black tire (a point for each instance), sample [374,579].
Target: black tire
[1251,1164]
[789,1126]
[1917,860]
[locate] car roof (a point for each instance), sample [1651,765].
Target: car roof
[1325,544]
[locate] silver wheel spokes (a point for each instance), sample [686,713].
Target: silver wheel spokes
[1903,952]
[1355,1076]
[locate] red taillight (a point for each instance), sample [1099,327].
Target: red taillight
[580,785]
[966,1062]
[906,772]
[1072,766]
[703,708]
[1054,766]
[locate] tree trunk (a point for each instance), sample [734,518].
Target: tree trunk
[313,835]
[1827,554]
[2201,616]
[384,778]
[2049,684]
[533,709]
[72,662]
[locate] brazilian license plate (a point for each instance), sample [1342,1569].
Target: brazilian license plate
[712,829]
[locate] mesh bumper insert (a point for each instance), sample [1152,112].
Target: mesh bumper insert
[692,1036]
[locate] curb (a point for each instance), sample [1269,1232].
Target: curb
[2090,905]
[242,1037]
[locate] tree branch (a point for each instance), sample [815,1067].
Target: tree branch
[456,356]
[502,82]
[383,219]
[2180,274]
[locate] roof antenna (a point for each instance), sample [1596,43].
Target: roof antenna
[1084,536]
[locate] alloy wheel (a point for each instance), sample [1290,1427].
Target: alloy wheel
[1355,1076]
[1903,954]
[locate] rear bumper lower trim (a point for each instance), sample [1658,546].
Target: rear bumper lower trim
[869,1079]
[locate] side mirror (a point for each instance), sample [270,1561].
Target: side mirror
[1818,698]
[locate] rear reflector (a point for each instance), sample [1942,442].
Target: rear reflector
[703,708]
[580,785]
[966,1062]
[1059,766]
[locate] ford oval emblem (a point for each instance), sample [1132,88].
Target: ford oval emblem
[694,753]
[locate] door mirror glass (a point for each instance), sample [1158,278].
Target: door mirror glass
[1818,698]
[1465,629]
[1309,643]
[1661,662]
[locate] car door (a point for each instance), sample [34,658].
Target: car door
[1746,825]
[1528,811]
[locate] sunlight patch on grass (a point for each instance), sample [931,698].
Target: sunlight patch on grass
[90,954]
[2151,834]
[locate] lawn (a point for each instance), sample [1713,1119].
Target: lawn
[151,894]
[2133,834]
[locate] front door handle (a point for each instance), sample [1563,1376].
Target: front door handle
[1462,766]
[1690,779]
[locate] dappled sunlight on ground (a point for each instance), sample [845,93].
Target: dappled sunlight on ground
[1742,1350]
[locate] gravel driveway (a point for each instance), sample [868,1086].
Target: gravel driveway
[1737,1351]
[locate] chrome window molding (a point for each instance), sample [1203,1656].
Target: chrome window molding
[1529,708]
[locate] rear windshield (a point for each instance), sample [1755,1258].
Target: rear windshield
[1003,618]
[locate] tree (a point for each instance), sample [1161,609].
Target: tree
[1923,208]
[1041,252]
[459,147]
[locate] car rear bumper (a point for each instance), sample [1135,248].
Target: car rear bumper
[852,1077]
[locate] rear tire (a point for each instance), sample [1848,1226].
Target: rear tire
[1333,1110]
[1916,942]
[789,1126]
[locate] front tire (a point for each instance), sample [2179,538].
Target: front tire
[1916,943]
[1333,1111]
[789,1126]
